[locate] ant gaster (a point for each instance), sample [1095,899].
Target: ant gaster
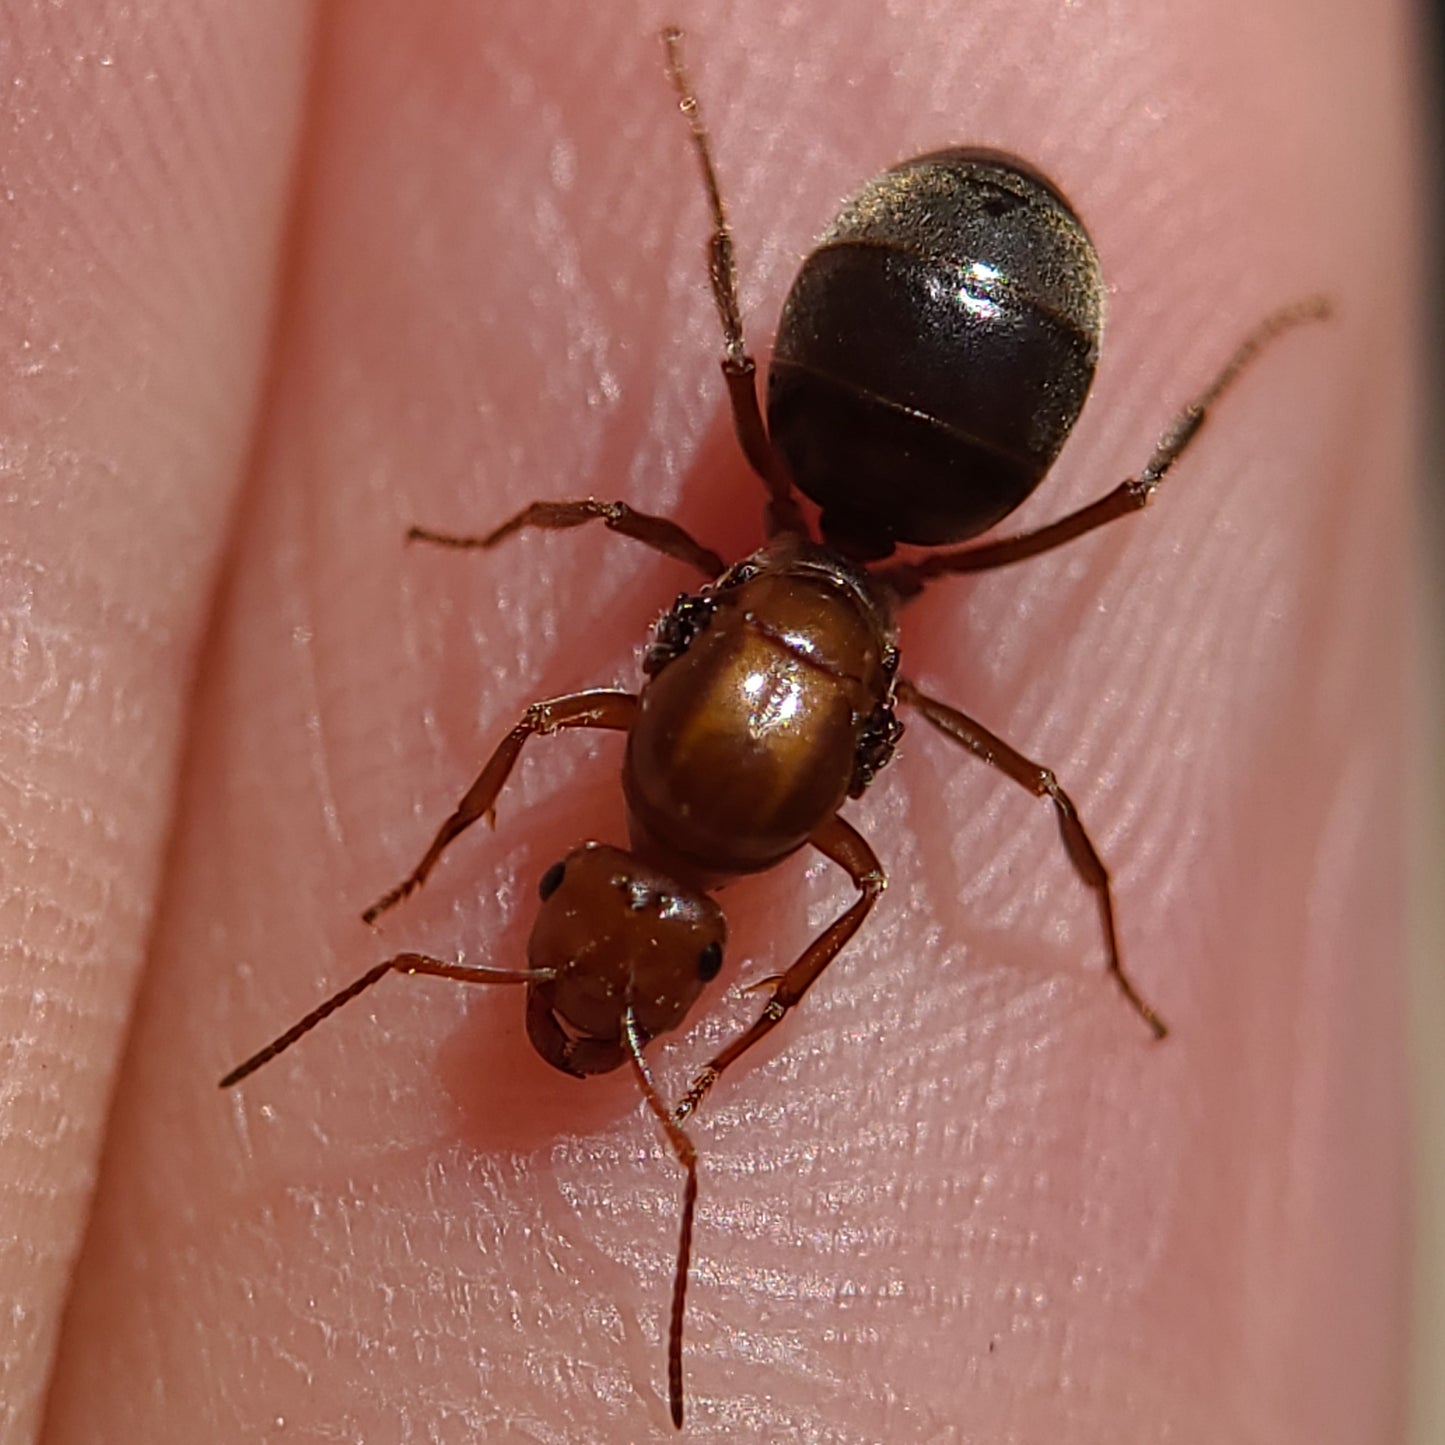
[932,357]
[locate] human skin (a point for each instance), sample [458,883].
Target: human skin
[290,280]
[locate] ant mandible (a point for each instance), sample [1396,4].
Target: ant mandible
[933,354]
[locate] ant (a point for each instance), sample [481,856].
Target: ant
[933,355]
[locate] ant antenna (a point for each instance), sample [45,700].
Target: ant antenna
[686,1153]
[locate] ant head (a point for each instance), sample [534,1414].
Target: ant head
[614,934]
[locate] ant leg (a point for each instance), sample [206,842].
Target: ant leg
[686,1153]
[1041,782]
[410,963]
[656,532]
[840,841]
[908,579]
[739,369]
[599,708]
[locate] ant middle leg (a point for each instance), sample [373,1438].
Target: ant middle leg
[908,579]
[739,369]
[598,708]
[839,840]
[1040,781]
[659,533]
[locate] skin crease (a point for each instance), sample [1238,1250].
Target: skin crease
[959,1196]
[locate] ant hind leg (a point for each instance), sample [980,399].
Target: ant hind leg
[908,579]
[739,369]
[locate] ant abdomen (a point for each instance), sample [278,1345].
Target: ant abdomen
[935,351]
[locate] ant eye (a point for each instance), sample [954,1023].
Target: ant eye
[551,880]
[709,961]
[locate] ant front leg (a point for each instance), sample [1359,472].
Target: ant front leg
[840,841]
[908,579]
[601,708]
[739,369]
[658,533]
[1041,782]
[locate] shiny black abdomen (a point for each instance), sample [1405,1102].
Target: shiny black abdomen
[935,351]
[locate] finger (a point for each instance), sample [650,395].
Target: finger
[143,214]
[966,1143]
